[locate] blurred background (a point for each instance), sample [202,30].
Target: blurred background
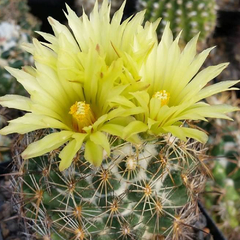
[218,22]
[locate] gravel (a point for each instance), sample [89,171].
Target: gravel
[10,227]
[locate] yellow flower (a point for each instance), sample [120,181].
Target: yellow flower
[82,113]
[128,40]
[92,83]
[176,90]
[77,83]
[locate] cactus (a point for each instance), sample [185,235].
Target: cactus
[191,16]
[224,148]
[139,192]
[113,152]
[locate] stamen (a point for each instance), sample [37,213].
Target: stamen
[82,116]
[163,96]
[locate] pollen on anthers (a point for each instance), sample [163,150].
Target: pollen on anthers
[82,115]
[163,96]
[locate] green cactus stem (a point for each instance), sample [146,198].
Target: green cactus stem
[191,16]
[139,192]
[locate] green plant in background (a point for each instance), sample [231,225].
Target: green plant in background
[19,12]
[111,150]
[191,16]
[224,145]
[12,55]
[17,26]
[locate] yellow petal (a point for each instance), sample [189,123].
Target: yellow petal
[101,139]
[33,122]
[44,55]
[30,122]
[215,88]
[16,128]
[60,29]
[100,122]
[93,153]
[49,80]
[28,47]
[200,81]
[50,38]
[143,99]
[44,110]
[16,101]
[68,152]
[113,129]
[46,144]
[154,107]
[121,101]
[27,80]
[183,132]
[133,128]
[115,113]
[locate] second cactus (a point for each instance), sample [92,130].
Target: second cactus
[192,16]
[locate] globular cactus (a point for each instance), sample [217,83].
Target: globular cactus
[224,150]
[191,16]
[111,149]
[143,191]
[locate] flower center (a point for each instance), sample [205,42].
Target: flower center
[82,115]
[163,96]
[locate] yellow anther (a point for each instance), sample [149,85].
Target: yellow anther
[163,96]
[82,116]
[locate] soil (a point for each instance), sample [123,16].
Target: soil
[9,222]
